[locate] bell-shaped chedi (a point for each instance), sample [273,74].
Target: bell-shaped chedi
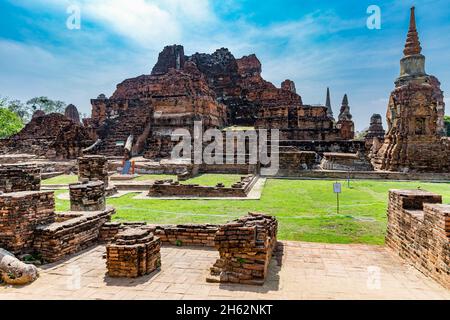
[345,123]
[72,113]
[415,117]
[376,129]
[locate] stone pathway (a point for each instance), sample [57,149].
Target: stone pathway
[309,271]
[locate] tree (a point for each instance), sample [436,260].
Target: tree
[447,124]
[45,104]
[20,109]
[10,123]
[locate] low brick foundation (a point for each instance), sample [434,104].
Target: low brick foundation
[419,231]
[74,232]
[87,196]
[245,247]
[20,214]
[170,188]
[20,177]
[179,235]
[134,253]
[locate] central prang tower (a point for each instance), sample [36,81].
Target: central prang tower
[415,117]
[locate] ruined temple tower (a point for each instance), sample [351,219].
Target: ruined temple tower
[328,105]
[415,117]
[345,123]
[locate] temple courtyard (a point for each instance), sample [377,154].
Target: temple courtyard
[309,271]
[305,209]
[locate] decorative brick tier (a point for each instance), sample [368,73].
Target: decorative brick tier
[20,214]
[20,177]
[180,235]
[73,232]
[293,160]
[245,246]
[134,253]
[87,196]
[345,162]
[93,168]
[419,231]
[170,188]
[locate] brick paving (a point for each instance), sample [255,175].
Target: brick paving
[309,271]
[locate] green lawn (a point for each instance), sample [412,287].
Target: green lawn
[306,209]
[63,179]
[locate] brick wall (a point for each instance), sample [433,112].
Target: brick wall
[20,214]
[133,253]
[74,232]
[245,247]
[419,231]
[23,177]
[181,235]
[175,189]
[93,167]
[87,196]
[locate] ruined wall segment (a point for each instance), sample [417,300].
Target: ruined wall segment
[245,247]
[419,231]
[20,177]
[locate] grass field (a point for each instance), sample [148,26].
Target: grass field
[306,209]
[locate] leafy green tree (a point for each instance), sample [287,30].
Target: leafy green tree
[45,104]
[10,123]
[20,109]
[447,124]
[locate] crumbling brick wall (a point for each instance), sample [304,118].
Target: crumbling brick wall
[133,253]
[74,232]
[23,177]
[201,235]
[175,189]
[419,231]
[20,214]
[93,168]
[245,247]
[87,196]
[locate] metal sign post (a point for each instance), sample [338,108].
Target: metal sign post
[337,188]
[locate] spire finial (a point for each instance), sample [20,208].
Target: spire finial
[328,104]
[345,100]
[412,45]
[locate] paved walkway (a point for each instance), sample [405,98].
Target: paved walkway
[309,271]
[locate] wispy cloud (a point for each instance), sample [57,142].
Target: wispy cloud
[121,38]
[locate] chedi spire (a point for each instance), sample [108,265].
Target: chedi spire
[412,65]
[345,114]
[328,104]
[412,45]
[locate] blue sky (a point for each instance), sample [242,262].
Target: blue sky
[315,43]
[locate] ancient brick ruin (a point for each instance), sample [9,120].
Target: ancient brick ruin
[415,137]
[245,247]
[345,162]
[172,188]
[133,253]
[197,235]
[419,231]
[21,213]
[20,177]
[93,168]
[29,223]
[53,136]
[87,196]
[217,89]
